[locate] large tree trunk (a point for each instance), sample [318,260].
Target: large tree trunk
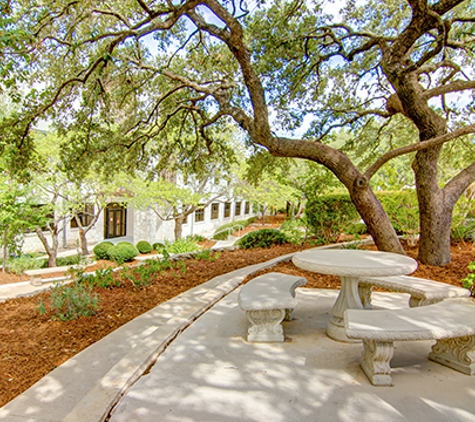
[435,212]
[378,223]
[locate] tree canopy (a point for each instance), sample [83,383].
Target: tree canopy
[132,77]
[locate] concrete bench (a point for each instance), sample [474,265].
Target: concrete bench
[267,300]
[35,275]
[422,291]
[451,323]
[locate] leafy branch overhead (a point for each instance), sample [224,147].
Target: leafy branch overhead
[157,82]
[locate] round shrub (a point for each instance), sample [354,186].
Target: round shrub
[123,252]
[158,247]
[263,238]
[101,250]
[144,247]
[124,242]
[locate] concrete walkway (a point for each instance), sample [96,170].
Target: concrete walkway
[187,360]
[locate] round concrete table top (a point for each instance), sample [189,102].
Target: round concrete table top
[354,263]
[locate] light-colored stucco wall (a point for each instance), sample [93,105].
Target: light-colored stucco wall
[141,225]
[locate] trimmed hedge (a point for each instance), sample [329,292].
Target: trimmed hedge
[123,252]
[101,250]
[263,238]
[329,215]
[144,247]
[402,209]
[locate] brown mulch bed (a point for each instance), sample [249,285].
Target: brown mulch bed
[31,345]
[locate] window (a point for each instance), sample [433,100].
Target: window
[227,209]
[237,208]
[85,216]
[200,215]
[246,208]
[115,221]
[214,211]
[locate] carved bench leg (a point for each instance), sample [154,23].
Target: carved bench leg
[456,353]
[375,361]
[266,325]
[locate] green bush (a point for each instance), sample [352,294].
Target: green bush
[263,238]
[333,214]
[124,242]
[469,281]
[294,230]
[70,260]
[143,275]
[329,215]
[123,252]
[207,255]
[158,247]
[20,264]
[357,229]
[144,247]
[402,209]
[101,250]
[463,222]
[103,278]
[196,238]
[72,302]
[161,249]
[181,246]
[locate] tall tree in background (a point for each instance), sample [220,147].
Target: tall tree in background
[412,59]
[386,58]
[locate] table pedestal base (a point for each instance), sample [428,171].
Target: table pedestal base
[337,332]
[347,298]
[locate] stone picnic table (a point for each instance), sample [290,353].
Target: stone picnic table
[352,266]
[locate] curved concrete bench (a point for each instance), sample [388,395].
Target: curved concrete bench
[267,300]
[35,275]
[451,323]
[422,291]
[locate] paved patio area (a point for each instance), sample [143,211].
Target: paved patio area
[188,360]
[210,373]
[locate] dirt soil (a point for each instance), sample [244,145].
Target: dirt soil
[32,345]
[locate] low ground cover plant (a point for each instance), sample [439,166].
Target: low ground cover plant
[181,246]
[71,301]
[207,255]
[75,300]
[25,262]
[295,230]
[469,281]
[103,278]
